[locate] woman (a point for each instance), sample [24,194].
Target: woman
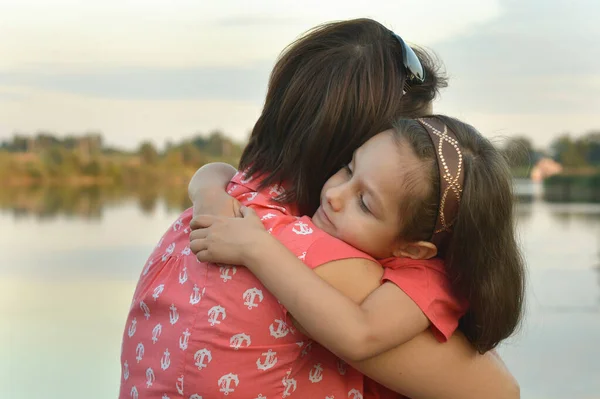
[191,333]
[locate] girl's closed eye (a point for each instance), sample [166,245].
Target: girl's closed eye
[361,202]
[363,206]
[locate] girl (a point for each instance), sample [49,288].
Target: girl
[424,189]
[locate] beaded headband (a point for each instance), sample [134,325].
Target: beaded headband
[450,162]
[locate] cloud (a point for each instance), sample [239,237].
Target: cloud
[536,57]
[9,96]
[200,83]
[253,21]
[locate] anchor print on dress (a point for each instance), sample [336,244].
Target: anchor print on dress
[195,295]
[251,196]
[186,251]
[139,352]
[168,251]
[166,397]
[250,295]
[245,180]
[303,256]
[281,331]
[200,356]
[184,339]
[147,268]
[157,291]
[342,367]
[232,189]
[156,331]
[236,341]
[125,371]
[149,377]
[132,328]
[179,385]
[173,314]
[276,190]
[268,216]
[289,385]
[165,360]
[134,393]
[145,309]
[195,396]
[183,275]
[225,272]
[270,360]
[355,394]
[303,229]
[225,383]
[260,396]
[316,374]
[177,225]
[307,348]
[214,313]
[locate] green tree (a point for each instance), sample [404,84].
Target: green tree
[148,153]
[192,156]
[569,153]
[592,141]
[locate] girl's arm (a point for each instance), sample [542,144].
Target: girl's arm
[386,319]
[207,190]
[423,368]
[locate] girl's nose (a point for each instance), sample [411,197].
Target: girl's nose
[335,197]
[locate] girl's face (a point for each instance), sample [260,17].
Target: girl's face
[360,204]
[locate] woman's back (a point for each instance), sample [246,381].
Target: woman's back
[219,331]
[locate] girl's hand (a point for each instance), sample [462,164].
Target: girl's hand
[228,240]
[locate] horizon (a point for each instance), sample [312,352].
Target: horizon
[157,71]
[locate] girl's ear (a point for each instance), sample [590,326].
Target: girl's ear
[416,250]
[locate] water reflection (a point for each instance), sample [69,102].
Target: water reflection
[78,280]
[585,215]
[48,202]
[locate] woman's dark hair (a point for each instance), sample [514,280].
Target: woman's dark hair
[482,257]
[329,92]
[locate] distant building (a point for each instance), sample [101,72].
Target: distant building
[545,167]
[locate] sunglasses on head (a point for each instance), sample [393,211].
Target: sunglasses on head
[414,70]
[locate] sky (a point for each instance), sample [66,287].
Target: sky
[166,70]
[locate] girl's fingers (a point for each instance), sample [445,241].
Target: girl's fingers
[198,245]
[202,221]
[203,256]
[248,213]
[198,234]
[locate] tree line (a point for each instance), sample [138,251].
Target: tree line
[581,154]
[85,159]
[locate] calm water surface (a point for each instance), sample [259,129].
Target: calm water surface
[66,280]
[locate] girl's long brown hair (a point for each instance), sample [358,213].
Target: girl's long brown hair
[483,259]
[330,91]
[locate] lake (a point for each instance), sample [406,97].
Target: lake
[69,264]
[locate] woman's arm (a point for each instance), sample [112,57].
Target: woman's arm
[207,190]
[386,319]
